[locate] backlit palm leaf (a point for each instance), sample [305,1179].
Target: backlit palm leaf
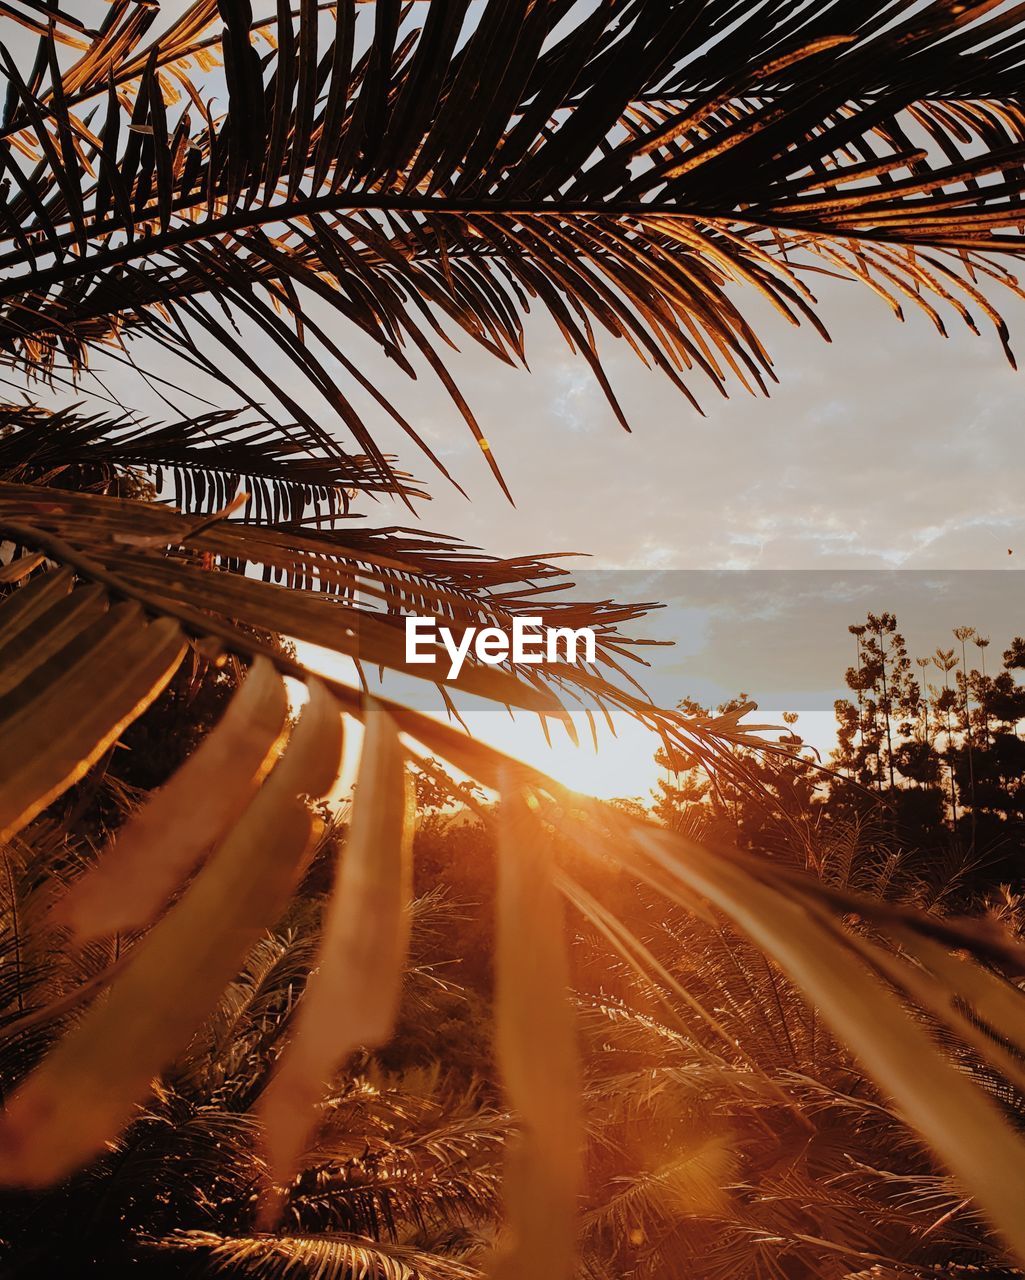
[345,589]
[331,1257]
[620,168]
[203,461]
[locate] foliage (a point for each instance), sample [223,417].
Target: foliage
[191,1162]
[759,797]
[757,1146]
[413,174]
[946,755]
[733,1137]
[932,769]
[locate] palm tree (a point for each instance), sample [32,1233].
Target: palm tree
[752,1144]
[403,1178]
[197,187]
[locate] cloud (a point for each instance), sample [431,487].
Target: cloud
[889,447]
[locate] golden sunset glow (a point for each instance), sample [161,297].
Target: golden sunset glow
[651,362]
[622,766]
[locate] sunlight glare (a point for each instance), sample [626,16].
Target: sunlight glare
[623,765]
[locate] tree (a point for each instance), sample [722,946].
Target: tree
[963,732]
[757,798]
[886,737]
[405,1167]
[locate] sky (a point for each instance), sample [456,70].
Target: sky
[881,458]
[890,452]
[888,449]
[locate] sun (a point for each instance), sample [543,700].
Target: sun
[623,764]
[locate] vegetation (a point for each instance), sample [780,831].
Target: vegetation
[943,749]
[405,1169]
[730,1135]
[929,763]
[214,203]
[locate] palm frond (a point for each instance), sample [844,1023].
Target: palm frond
[384,1164]
[202,462]
[347,590]
[332,1257]
[621,169]
[101,671]
[255,868]
[363,953]
[823,1172]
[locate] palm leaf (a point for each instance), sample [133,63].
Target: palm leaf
[802,936]
[620,169]
[332,1257]
[354,588]
[160,845]
[84,1092]
[94,678]
[202,461]
[352,999]
[534,1036]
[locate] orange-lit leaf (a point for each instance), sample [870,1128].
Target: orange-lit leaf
[352,998]
[537,1055]
[69,710]
[84,1093]
[160,845]
[961,1124]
